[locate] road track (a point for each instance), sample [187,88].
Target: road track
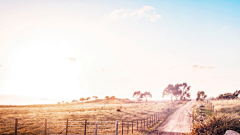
[179,122]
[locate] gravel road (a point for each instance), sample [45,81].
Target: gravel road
[179,122]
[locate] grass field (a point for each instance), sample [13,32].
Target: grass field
[226,106]
[31,118]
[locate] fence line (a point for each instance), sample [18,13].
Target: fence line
[212,106]
[51,127]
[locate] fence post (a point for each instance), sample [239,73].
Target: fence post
[117,128]
[49,128]
[85,128]
[67,127]
[45,127]
[144,124]
[137,124]
[122,127]
[152,120]
[96,128]
[147,122]
[132,127]
[16,121]
[127,126]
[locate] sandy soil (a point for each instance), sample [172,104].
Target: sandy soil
[179,122]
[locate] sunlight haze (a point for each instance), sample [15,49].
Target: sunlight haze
[74,49]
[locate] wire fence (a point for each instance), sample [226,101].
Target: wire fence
[86,127]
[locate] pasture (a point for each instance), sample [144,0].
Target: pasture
[226,106]
[31,118]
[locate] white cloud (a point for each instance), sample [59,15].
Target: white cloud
[223,28]
[144,12]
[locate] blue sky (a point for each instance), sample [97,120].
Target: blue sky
[117,47]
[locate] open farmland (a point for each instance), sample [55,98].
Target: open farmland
[226,106]
[31,118]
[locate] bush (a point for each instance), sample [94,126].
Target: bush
[217,125]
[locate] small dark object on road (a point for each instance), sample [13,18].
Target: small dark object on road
[118,110]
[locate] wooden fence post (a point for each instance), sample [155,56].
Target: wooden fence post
[144,124]
[49,128]
[147,122]
[127,126]
[152,120]
[96,128]
[137,124]
[85,127]
[16,121]
[132,127]
[122,127]
[45,133]
[67,127]
[117,128]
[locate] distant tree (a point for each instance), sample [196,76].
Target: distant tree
[236,93]
[177,90]
[233,95]
[73,101]
[63,102]
[88,98]
[58,102]
[95,97]
[139,95]
[107,97]
[112,97]
[201,95]
[81,99]
[136,95]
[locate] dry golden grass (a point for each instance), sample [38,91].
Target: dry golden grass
[31,118]
[226,106]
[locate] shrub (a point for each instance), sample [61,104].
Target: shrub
[217,125]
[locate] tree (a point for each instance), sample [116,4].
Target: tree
[88,98]
[201,95]
[177,90]
[112,97]
[233,95]
[107,97]
[236,93]
[139,95]
[81,99]
[95,97]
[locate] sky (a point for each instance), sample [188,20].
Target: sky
[73,49]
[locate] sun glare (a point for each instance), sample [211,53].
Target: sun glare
[44,70]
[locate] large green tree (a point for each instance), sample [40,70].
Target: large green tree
[178,91]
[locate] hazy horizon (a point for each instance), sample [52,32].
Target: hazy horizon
[74,49]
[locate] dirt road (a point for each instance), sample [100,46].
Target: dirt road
[179,122]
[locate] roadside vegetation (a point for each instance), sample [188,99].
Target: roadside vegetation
[227,118]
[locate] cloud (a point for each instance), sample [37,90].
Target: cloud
[101,70]
[223,28]
[176,66]
[71,59]
[197,67]
[144,12]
